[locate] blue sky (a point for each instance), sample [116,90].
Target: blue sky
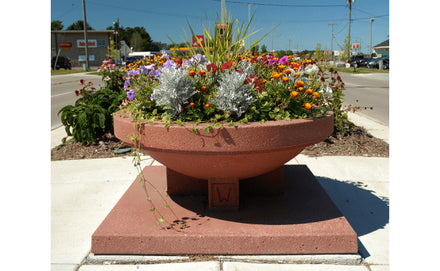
[301,24]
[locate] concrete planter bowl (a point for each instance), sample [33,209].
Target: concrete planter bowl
[226,155]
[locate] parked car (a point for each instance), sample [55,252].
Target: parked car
[375,63]
[61,62]
[356,60]
[364,62]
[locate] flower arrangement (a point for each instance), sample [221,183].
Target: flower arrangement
[222,82]
[248,88]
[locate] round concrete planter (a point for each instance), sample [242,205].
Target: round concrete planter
[228,153]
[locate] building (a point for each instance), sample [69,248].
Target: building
[70,43]
[382,49]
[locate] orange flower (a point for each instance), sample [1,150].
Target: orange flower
[207,105]
[294,94]
[287,71]
[285,79]
[299,83]
[307,106]
[309,91]
[297,74]
[191,104]
[300,88]
[203,88]
[202,72]
[316,95]
[192,73]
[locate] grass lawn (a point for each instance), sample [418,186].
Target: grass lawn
[63,71]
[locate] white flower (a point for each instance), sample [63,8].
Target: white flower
[328,92]
[311,68]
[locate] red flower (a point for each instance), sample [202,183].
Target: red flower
[226,65]
[212,68]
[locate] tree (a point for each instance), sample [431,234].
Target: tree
[318,52]
[136,41]
[79,25]
[144,43]
[56,25]
[346,50]
[263,49]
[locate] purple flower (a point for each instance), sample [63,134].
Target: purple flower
[153,95]
[283,60]
[169,64]
[127,83]
[143,70]
[164,54]
[273,60]
[132,72]
[199,58]
[155,73]
[131,94]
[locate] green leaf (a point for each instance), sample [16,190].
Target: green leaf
[167,206]
[152,210]
[162,219]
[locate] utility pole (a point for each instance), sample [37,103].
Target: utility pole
[371,31]
[332,41]
[223,15]
[85,36]
[349,25]
[249,11]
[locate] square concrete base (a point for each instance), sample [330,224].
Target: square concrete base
[300,220]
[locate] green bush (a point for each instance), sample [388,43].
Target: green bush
[91,116]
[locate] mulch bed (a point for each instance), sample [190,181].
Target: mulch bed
[357,143]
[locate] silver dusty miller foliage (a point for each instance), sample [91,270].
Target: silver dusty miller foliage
[174,90]
[232,95]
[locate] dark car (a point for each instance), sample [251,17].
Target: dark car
[364,62]
[374,63]
[61,62]
[356,60]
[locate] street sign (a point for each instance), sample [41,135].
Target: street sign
[201,38]
[355,45]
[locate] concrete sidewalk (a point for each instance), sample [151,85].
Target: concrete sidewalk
[84,191]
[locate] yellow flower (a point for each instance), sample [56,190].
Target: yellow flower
[309,91]
[316,95]
[307,106]
[294,94]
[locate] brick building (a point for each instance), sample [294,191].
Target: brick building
[70,43]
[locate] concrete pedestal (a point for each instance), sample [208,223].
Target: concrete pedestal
[301,219]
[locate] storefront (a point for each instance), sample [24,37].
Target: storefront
[71,44]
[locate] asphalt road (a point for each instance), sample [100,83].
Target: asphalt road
[370,90]
[63,92]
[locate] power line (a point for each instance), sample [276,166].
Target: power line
[281,5]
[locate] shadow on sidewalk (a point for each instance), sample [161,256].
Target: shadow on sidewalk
[364,210]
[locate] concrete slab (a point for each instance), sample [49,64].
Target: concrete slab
[196,266]
[301,221]
[379,267]
[124,259]
[373,127]
[64,267]
[299,259]
[232,266]
[360,189]
[83,192]
[280,259]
